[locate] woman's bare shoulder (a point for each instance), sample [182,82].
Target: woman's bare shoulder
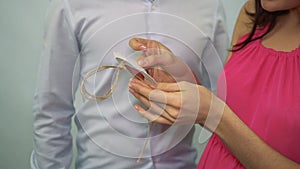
[243,23]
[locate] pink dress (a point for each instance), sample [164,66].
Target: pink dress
[263,89]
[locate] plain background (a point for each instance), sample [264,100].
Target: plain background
[21,30]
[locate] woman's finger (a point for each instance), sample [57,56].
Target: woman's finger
[171,111]
[138,44]
[152,117]
[156,58]
[154,107]
[166,87]
[169,87]
[155,52]
[172,99]
[142,44]
[162,111]
[141,82]
[141,98]
[146,91]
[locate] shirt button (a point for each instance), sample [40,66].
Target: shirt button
[152,7]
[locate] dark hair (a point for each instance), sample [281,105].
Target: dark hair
[260,18]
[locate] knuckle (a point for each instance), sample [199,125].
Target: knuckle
[173,114]
[182,84]
[184,102]
[132,41]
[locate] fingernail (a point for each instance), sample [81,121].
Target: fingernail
[142,62]
[137,107]
[142,47]
[132,80]
[130,84]
[131,91]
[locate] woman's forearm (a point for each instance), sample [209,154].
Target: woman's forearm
[251,151]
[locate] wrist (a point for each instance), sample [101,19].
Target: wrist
[223,121]
[229,125]
[215,114]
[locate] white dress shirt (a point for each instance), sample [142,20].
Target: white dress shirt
[81,35]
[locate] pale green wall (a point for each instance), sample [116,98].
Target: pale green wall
[20,42]
[21,26]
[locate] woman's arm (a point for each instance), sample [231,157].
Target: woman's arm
[173,104]
[246,146]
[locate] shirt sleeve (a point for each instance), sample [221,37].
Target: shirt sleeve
[53,100]
[221,39]
[215,51]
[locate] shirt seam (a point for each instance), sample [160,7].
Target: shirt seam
[215,18]
[70,22]
[69,15]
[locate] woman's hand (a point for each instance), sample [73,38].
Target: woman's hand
[160,62]
[178,103]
